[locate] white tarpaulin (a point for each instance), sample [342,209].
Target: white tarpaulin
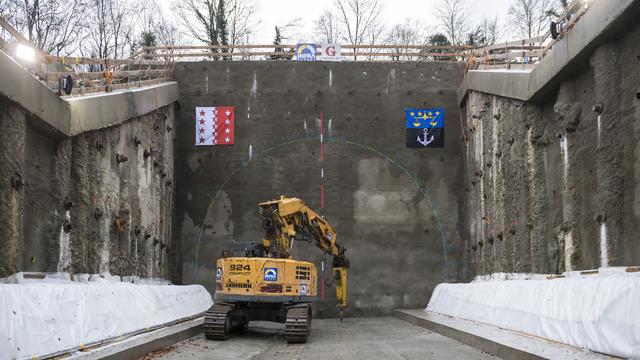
[44,317]
[597,312]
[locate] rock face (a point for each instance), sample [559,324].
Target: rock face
[398,211]
[83,204]
[559,189]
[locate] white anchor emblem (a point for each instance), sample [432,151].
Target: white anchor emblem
[426,141]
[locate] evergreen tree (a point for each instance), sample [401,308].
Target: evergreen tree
[221,23]
[277,41]
[439,39]
[148,38]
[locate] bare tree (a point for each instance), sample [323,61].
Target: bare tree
[242,18]
[327,27]
[486,33]
[529,17]
[360,21]
[155,28]
[53,26]
[454,18]
[199,19]
[110,26]
[168,33]
[491,30]
[410,32]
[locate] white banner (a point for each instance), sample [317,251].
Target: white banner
[330,52]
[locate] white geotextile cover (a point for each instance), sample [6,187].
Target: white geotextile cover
[40,318]
[596,312]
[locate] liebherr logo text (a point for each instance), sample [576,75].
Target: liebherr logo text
[238,285]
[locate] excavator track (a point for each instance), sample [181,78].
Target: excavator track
[217,323]
[298,323]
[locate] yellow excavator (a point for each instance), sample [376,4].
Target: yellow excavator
[263,282]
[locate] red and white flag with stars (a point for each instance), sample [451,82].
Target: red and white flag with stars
[215,125]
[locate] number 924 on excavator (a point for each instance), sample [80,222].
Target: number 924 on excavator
[262,281]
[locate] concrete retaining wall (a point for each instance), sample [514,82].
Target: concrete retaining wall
[397,210]
[63,215]
[553,183]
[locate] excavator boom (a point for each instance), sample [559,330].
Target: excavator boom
[289,219]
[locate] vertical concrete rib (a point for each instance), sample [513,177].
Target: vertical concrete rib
[12,182]
[610,155]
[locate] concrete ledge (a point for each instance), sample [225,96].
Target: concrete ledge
[92,112]
[74,115]
[499,342]
[597,25]
[507,83]
[140,345]
[20,86]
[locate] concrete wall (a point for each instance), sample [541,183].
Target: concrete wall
[396,210]
[553,183]
[62,215]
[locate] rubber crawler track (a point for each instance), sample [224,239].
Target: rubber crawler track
[217,325]
[298,323]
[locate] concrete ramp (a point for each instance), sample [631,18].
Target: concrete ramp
[502,343]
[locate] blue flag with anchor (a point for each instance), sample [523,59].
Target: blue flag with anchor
[424,128]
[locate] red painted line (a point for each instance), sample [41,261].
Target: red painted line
[322,195]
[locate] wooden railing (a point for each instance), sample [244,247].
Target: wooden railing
[88,75]
[286,52]
[152,65]
[525,54]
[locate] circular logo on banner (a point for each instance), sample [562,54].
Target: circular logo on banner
[306,52]
[303,289]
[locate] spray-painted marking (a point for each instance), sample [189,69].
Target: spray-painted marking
[321,136]
[250,151]
[604,246]
[338,140]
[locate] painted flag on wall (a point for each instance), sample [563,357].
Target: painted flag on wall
[425,128]
[215,125]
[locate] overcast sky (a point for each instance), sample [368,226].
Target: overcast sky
[280,12]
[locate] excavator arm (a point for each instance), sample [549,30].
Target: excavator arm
[289,219]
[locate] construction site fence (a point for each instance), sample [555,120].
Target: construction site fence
[153,65]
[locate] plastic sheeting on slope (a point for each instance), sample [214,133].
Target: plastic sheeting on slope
[40,318]
[597,312]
